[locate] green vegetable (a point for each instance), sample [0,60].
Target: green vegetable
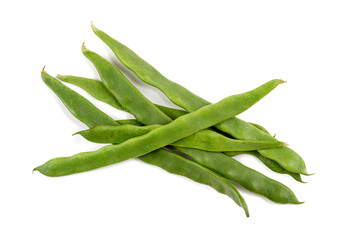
[125,100]
[206,140]
[170,112]
[170,162]
[233,170]
[182,97]
[160,137]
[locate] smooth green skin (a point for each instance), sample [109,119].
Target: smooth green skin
[237,172]
[161,158]
[103,94]
[178,113]
[206,140]
[181,127]
[182,97]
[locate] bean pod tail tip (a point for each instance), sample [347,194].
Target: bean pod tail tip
[83,47]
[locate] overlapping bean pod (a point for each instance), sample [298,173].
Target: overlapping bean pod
[181,127]
[99,91]
[182,97]
[80,107]
[114,77]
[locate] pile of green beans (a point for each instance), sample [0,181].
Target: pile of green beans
[197,142]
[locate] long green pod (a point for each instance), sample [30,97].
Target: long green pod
[102,94]
[125,99]
[80,107]
[160,157]
[97,89]
[94,87]
[271,164]
[145,112]
[238,173]
[182,97]
[212,141]
[206,140]
[160,137]
[114,134]
[175,164]
[113,79]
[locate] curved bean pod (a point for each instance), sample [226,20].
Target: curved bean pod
[80,107]
[170,112]
[271,164]
[102,65]
[114,134]
[161,158]
[206,140]
[182,97]
[175,164]
[130,98]
[94,87]
[237,172]
[160,137]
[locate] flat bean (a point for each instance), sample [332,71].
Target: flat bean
[146,113]
[172,163]
[170,112]
[206,140]
[182,97]
[237,172]
[160,137]
[104,65]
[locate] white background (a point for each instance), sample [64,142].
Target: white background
[215,49]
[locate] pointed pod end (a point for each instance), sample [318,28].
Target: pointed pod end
[43,69]
[282,81]
[58,76]
[76,133]
[83,47]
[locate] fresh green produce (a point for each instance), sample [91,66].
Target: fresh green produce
[102,94]
[181,127]
[235,176]
[197,142]
[170,162]
[206,140]
[125,100]
[182,97]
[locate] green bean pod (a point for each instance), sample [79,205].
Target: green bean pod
[182,97]
[233,170]
[181,127]
[170,112]
[80,107]
[130,98]
[114,134]
[124,99]
[170,162]
[271,164]
[175,164]
[206,140]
